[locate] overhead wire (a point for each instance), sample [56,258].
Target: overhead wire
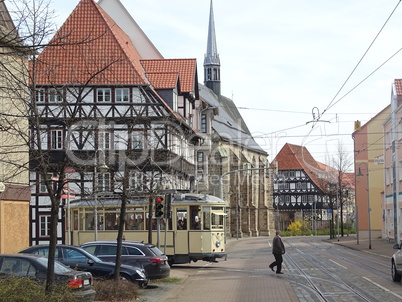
[331,104]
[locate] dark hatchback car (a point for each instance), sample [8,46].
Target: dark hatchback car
[79,259]
[152,259]
[35,268]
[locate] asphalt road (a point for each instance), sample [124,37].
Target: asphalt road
[315,270]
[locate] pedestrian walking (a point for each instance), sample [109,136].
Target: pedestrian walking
[278,249]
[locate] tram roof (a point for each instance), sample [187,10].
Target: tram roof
[177,199]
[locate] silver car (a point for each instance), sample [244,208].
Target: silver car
[396,263]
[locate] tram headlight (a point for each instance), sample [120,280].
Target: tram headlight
[218,243]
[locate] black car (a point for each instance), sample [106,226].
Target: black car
[79,259]
[35,267]
[152,259]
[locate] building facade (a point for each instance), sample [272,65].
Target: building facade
[370,162]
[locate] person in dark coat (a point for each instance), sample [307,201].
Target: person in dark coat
[278,249]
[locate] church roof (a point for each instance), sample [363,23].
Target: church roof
[228,123]
[212,56]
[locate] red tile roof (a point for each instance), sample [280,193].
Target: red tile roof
[89,47]
[294,157]
[163,80]
[398,86]
[187,69]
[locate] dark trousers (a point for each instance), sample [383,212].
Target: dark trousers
[278,262]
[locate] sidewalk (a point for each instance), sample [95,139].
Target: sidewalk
[379,246]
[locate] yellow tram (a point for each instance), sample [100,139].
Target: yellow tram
[194,229]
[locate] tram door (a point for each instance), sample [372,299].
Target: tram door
[181,238]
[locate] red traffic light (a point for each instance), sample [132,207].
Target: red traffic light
[159,199]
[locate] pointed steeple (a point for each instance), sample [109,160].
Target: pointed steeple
[212,64]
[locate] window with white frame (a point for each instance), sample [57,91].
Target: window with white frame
[56,139]
[103,95]
[200,166]
[40,95]
[136,182]
[103,182]
[203,123]
[122,94]
[44,225]
[55,95]
[104,140]
[137,140]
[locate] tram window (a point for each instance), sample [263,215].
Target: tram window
[217,221]
[181,217]
[75,219]
[89,221]
[195,218]
[207,221]
[134,221]
[112,221]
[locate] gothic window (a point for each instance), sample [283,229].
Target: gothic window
[103,95]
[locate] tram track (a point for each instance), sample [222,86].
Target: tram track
[326,282]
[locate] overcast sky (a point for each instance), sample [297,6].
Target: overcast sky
[282,60]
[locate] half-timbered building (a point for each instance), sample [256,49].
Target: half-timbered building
[301,189]
[101,104]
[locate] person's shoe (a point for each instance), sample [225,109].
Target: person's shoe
[271,267]
[279,273]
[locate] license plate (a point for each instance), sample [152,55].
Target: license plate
[86,282]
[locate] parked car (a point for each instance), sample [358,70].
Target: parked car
[78,258]
[35,267]
[396,263]
[152,259]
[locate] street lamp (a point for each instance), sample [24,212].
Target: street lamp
[102,168]
[368,198]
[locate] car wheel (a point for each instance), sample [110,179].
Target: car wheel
[395,275]
[125,277]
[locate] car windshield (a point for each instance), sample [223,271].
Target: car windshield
[58,267]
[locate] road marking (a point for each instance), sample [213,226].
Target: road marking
[383,288]
[338,264]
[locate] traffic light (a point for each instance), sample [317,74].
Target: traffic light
[159,206]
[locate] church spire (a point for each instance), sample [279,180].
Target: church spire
[212,65]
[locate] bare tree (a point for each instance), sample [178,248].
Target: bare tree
[341,164]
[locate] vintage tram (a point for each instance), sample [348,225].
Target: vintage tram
[193,228]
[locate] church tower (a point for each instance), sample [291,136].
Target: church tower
[212,65]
